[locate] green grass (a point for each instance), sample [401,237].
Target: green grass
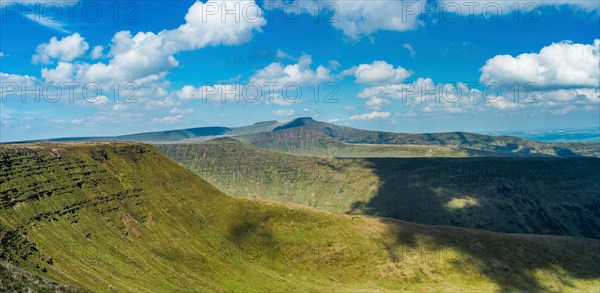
[558,196]
[122,217]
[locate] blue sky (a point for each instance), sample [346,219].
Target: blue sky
[378,60]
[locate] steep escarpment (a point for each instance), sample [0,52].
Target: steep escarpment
[120,216]
[544,195]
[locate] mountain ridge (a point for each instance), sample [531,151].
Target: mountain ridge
[305,135]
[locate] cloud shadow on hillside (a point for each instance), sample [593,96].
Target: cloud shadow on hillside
[503,195]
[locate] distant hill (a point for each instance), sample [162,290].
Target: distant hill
[541,195]
[122,217]
[308,136]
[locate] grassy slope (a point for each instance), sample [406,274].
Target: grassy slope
[521,195]
[123,217]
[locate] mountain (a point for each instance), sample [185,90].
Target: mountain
[542,195]
[123,217]
[308,136]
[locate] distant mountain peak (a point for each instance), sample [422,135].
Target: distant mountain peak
[302,121]
[265,122]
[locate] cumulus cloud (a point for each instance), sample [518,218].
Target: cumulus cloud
[13,84]
[362,117]
[370,116]
[65,49]
[283,113]
[135,56]
[559,65]
[167,119]
[99,100]
[283,55]
[184,111]
[376,103]
[378,72]
[97,52]
[426,96]
[363,18]
[299,73]
[215,93]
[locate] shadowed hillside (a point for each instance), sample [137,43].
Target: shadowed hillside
[123,217]
[559,196]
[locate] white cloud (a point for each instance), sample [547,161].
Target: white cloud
[370,116]
[215,93]
[12,84]
[99,100]
[65,49]
[564,111]
[120,107]
[47,22]
[203,29]
[410,49]
[97,52]
[376,103]
[379,72]
[279,100]
[363,18]
[135,56]
[185,111]
[299,73]
[2,54]
[349,108]
[559,65]
[501,103]
[361,117]
[77,121]
[426,96]
[410,114]
[333,64]
[283,55]
[283,113]
[167,119]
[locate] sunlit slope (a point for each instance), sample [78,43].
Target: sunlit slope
[123,217]
[559,196]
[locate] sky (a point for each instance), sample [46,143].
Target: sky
[96,68]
